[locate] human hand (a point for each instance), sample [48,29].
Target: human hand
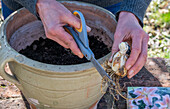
[54,16]
[129,30]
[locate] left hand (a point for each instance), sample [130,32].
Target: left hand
[129,30]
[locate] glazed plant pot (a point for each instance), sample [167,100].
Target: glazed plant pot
[53,86]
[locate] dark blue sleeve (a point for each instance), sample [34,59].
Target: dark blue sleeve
[137,7]
[16,4]
[28,4]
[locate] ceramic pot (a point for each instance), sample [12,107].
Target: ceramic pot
[53,86]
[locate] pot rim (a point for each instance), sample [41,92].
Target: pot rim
[21,59]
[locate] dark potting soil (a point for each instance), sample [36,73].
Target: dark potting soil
[50,52]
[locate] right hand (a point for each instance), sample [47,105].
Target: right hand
[54,16]
[129,30]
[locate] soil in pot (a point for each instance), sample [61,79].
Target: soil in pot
[50,52]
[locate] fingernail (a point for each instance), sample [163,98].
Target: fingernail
[80,55]
[110,60]
[88,28]
[128,67]
[131,73]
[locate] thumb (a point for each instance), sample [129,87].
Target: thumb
[115,47]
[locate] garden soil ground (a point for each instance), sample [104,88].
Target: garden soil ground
[50,52]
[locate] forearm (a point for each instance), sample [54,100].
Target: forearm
[137,7]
